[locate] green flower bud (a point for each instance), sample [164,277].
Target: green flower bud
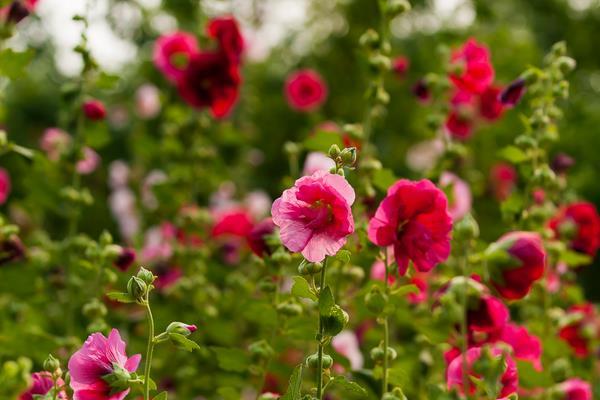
[566,64]
[376,300]
[291,148]
[261,349]
[340,172]
[378,62]
[354,273]
[281,257]
[334,151]
[560,370]
[348,156]
[467,228]
[397,7]
[289,308]
[335,322]
[137,288]
[267,285]
[146,276]
[312,361]
[370,39]
[181,328]
[51,364]
[308,268]
[94,309]
[526,142]
[559,49]
[377,354]
[105,238]
[370,165]
[118,379]
[382,96]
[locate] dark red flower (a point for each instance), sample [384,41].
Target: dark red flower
[210,81]
[125,259]
[400,66]
[580,329]
[473,70]
[561,163]
[579,224]
[459,125]
[94,110]
[518,260]
[421,91]
[513,93]
[227,33]
[487,315]
[490,107]
[256,238]
[305,90]
[18,10]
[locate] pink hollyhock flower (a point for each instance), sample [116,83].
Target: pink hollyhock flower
[18,10]
[172,54]
[147,101]
[89,162]
[94,110]
[523,259]
[512,94]
[233,222]
[421,283]
[424,155]
[378,272]
[5,185]
[400,66]
[525,346]
[227,33]
[55,142]
[317,161]
[539,196]
[210,81]
[459,195]
[575,389]
[166,275]
[157,245]
[305,90]
[258,203]
[503,177]
[346,344]
[41,384]
[256,238]
[315,215]
[125,259]
[96,359]
[580,329]
[508,383]
[579,224]
[473,68]
[487,315]
[490,106]
[414,218]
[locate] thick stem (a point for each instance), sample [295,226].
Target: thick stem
[320,339]
[463,326]
[386,331]
[149,351]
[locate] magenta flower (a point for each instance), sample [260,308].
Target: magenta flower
[41,384]
[96,359]
[315,216]
[413,218]
[575,389]
[5,185]
[346,344]
[525,346]
[55,142]
[172,53]
[305,90]
[89,162]
[94,110]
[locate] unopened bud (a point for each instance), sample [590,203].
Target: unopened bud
[397,7]
[376,300]
[181,328]
[146,276]
[348,156]
[370,39]
[566,64]
[312,361]
[137,288]
[51,364]
[289,308]
[334,151]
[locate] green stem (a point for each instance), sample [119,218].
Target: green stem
[320,339]
[463,326]
[386,331]
[149,351]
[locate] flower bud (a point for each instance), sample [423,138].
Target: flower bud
[370,39]
[354,273]
[181,328]
[261,349]
[94,309]
[370,164]
[94,110]
[377,354]
[334,151]
[146,276]
[348,156]
[376,300]
[308,268]
[379,62]
[340,172]
[560,370]
[397,7]
[289,308]
[137,288]
[51,364]
[312,361]
[281,257]
[335,322]
[559,49]
[291,148]
[526,142]
[118,379]
[467,228]
[267,285]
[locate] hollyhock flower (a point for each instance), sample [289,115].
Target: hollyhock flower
[509,381]
[258,203]
[400,66]
[256,238]
[54,142]
[561,163]
[172,54]
[147,101]
[227,33]
[539,196]
[11,249]
[41,384]
[512,94]
[424,155]
[232,222]
[575,389]
[317,161]
[305,90]
[413,217]
[210,81]
[315,215]
[487,315]
[579,224]
[5,185]
[346,344]
[459,195]
[522,259]
[96,359]
[378,272]
[125,259]
[166,275]
[18,10]
[490,106]
[89,162]
[580,329]
[421,283]
[157,246]
[503,177]
[421,91]
[459,124]
[525,346]
[94,110]
[473,70]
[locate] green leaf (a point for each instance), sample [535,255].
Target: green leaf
[294,388]
[234,360]
[326,302]
[161,396]
[383,179]
[302,289]
[575,259]
[343,256]
[13,63]
[121,297]
[513,154]
[322,140]
[183,342]
[406,289]
[228,393]
[348,388]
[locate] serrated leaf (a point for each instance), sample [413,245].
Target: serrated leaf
[322,140]
[183,342]
[326,302]
[301,288]
[513,154]
[294,388]
[121,297]
[234,360]
[347,387]
[161,396]
[383,179]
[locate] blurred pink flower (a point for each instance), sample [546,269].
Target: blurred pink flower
[459,195]
[41,384]
[147,101]
[305,90]
[317,161]
[575,389]
[5,185]
[94,110]
[54,142]
[89,162]
[172,53]
[346,344]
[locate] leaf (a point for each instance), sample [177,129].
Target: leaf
[513,154]
[575,259]
[228,393]
[347,387]
[302,289]
[121,297]
[326,302]
[161,396]
[383,179]
[293,391]
[406,289]
[183,342]
[13,63]
[322,140]
[234,360]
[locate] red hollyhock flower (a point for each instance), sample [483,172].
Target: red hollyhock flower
[580,329]
[172,53]
[503,177]
[400,66]
[518,260]
[474,70]
[125,259]
[210,81]
[227,32]
[5,185]
[459,125]
[414,219]
[490,106]
[575,389]
[233,222]
[94,110]
[487,315]
[305,90]
[580,224]
[18,10]
[256,238]
[512,94]
[525,346]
